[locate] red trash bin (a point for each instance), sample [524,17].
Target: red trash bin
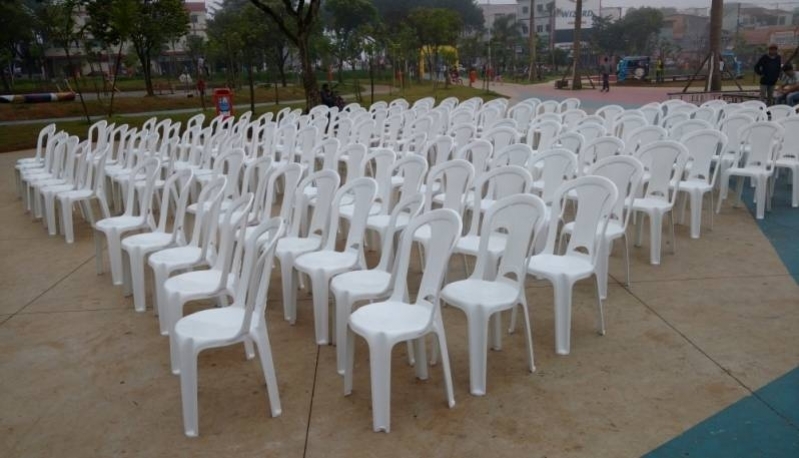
[223,100]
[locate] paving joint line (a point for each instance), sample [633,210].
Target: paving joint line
[49,288]
[753,393]
[310,407]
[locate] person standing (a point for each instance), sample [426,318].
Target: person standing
[605,70]
[659,70]
[768,67]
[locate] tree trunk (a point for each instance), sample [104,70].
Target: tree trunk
[77,84]
[531,44]
[340,71]
[716,13]
[252,87]
[146,69]
[372,79]
[309,83]
[577,82]
[114,82]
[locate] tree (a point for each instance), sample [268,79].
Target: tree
[157,22]
[398,10]
[577,79]
[112,22]
[640,26]
[16,32]
[435,27]
[506,35]
[349,20]
[60,29]
[297,20]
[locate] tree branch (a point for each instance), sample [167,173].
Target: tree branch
[279,20]
[312,10]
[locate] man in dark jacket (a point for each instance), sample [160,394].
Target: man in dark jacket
[768,67]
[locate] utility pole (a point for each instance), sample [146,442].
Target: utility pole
[489,70]
[577,82]
[716,18]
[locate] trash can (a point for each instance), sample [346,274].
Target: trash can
[223,100]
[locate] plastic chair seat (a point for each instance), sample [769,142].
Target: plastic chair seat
[56,189]
[648,203]
[547,265]
[382,221]
[76,194]
[327,260]
[178,256]
[147,241]
[471,292]
[297,245]
[198,282]
[363,282]
[212,325]
[395,319]
[118,222]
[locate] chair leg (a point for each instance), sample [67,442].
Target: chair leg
[626,258]
[655,234]
[441,337]
[114,240]
[673,238]
[639,228]
[760,197]
[160,275]
[319,285]
[66,215]
[289,289]
[795,187]
[188,388]
[478,351]
[563,314]
[267,365]
[420,354]
[127,280]
[350,361]
[528,334]
[343,308]
[600,311]
[380,367]
[138,280]
[696,214]
[602,267]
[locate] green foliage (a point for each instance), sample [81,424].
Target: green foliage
[634,34]
[398,10]
[16,32]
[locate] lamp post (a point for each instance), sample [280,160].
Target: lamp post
[488,68]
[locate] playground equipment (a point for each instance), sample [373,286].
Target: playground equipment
[38,98]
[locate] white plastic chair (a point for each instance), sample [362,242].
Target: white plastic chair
[572,117]
[590,131]
[491,290]
[763,140]
[548,106]
[243,321]
[134,219]
[680,130]
[138,246]
[90,187]
[44,138]
[595,198]
[788,158]
[609,114]
[323,264]
[501,137]
[571,141]
[384,324]
[297,242]
[571,103]
[664,163]
[218,282]
[462,134]
[703,146]
[597,150]
[541,135]
[626,173]
[372,284]
[643,136]
[199,251]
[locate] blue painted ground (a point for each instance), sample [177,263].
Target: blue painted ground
[765,424]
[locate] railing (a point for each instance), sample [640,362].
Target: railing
[702,97]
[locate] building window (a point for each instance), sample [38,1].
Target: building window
[525,30]
[540,28]
[547,28]
[782,20]
[194,19]
[525,10]
[540,8]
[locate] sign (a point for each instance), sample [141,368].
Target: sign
[784,40]
[565,14]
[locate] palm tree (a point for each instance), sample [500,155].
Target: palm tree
[506,34]
[716,16]
[577,82]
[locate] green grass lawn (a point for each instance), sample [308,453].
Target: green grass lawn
[19,137]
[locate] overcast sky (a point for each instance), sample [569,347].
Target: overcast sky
[788,5]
